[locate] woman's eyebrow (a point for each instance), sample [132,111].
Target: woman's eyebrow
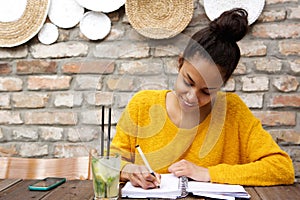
[190,78]
[204,88]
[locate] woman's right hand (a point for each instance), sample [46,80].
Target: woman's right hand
[139,176]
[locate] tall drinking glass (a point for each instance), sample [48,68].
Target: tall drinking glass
[106,174]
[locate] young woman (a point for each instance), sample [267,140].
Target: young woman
[196,130]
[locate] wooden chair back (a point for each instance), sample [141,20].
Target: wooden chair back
[39,168]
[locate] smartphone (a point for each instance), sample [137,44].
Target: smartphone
[47,183]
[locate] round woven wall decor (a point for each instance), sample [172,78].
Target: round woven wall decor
[159,19]
[19,31]
[214,8]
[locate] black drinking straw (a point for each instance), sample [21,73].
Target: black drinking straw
[102,132]
[108,131]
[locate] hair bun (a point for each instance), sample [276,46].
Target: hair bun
[231,25]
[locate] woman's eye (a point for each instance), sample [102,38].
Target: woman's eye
[186,83]
[206,92]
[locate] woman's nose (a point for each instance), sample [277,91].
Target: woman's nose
[192,97]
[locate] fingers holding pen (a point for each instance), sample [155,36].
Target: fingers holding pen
[144,180]
[147,165]
[153,178]
[139,176]
[157,177]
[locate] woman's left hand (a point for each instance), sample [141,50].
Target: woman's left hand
[190,170]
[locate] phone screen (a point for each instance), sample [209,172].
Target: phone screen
[47,182]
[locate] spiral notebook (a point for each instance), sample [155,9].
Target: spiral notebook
[172,187]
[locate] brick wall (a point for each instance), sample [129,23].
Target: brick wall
[51,95]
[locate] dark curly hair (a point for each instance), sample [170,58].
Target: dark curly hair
[217,42]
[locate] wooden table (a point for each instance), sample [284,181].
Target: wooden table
[11,189]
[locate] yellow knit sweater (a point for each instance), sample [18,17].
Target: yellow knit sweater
[230,142]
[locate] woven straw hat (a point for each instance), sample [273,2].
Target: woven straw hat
[13,33]
[159,19]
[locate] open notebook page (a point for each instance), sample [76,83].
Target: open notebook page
[203,189]
[169,188]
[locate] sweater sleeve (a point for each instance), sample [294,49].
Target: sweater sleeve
[121,145]
[268,165]
[123,142]
[263,163]
[131,125]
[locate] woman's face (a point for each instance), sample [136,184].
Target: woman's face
[197,83]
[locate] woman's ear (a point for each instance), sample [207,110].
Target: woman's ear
[180,61]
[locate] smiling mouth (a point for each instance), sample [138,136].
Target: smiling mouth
[187,104]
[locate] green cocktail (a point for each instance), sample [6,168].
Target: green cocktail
[106,174]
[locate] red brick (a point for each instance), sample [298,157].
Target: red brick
[6,150]
[276,30]
[286,83]
[29,100]
[269,65]
[96,67]
[289,47]
[272,15]
[70,150]
[36,67]
[252,48]
[240,69]
[5,68]
[51,118]
[286,136]
[7,117]
[10,84]
[285,100]
[49,82]
[275,118]
[295,13]
[295,66]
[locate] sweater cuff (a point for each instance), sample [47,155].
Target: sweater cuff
[218,175]
[123,163]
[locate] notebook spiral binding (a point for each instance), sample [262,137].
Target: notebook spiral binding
[183,185]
